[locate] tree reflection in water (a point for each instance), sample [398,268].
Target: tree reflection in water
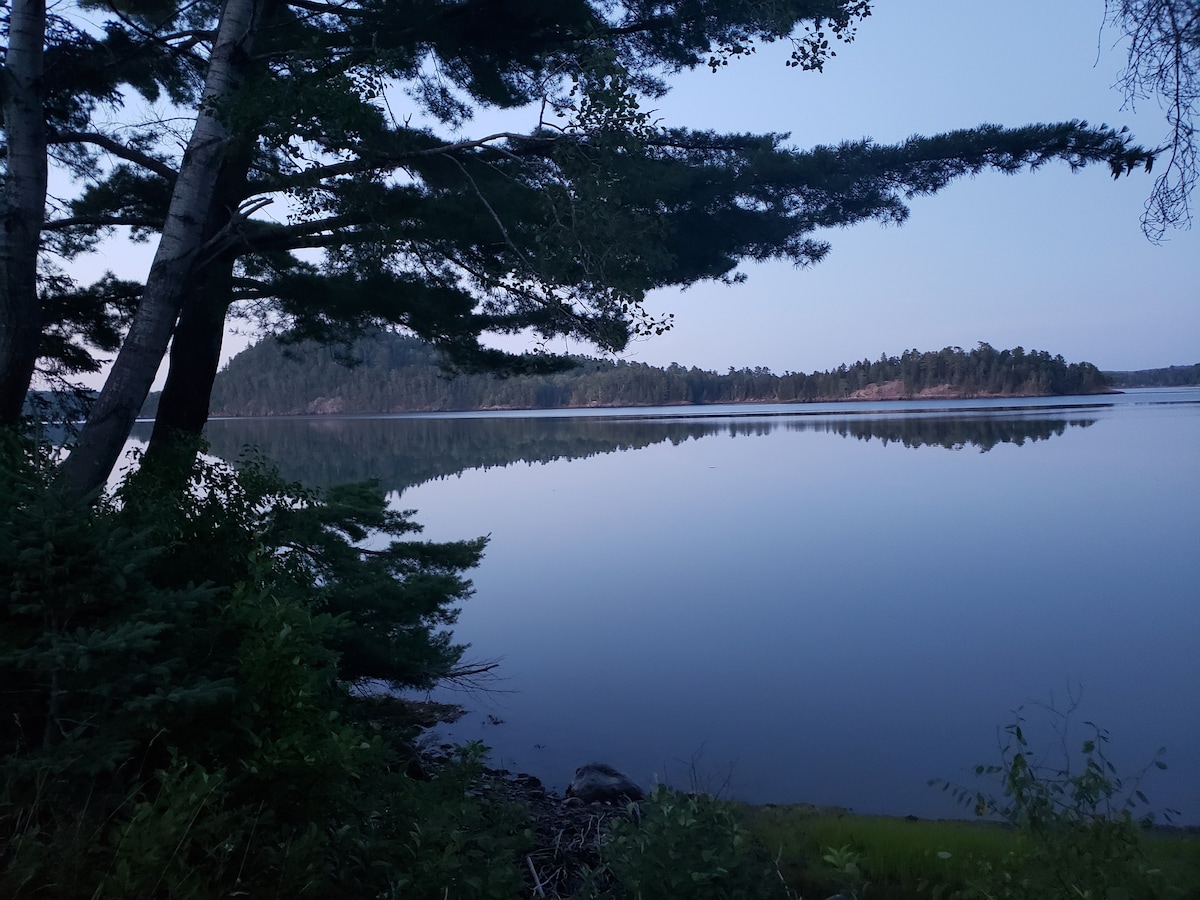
[404,452]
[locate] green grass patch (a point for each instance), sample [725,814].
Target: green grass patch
[899,855]
[1178,855]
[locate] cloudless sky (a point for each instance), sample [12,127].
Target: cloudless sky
[1050,260]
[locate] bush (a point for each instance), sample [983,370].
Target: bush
[458,841]
[1080,839]
[182,716]
[685,847]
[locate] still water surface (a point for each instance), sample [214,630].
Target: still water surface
[830,604]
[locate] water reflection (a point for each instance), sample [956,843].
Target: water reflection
[839,620]
[949,432]
[404,452]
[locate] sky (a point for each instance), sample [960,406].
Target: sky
[1049,261]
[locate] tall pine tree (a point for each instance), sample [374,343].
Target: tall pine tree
[344,118]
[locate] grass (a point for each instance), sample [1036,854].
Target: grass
[897,854]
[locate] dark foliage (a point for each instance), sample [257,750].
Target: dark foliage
[182,678]
[1172,376]
[391,373]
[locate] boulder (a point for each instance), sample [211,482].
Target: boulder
[600,783]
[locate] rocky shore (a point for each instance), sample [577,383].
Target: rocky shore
[567,831]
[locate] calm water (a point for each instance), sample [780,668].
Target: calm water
[828,604]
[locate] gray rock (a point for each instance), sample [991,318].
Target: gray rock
[600,783]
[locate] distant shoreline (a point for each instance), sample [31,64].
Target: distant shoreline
[888,393]
[894,390]
[395,375]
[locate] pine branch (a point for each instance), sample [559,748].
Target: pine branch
[379,161]
[116,148]
[102,222]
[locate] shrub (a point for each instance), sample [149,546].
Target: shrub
[181,713]
[457,840]
[1079,836]
[686,847]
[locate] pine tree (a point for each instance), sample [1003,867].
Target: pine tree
[560,231]
[169,737]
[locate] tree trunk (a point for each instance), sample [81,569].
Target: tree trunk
[196,346]
[22,205]
[183,407]
[195,357]
[185,231]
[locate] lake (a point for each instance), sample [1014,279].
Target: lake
[825,603]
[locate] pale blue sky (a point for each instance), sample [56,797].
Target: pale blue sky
[1050,260]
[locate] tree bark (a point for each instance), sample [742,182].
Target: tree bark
[196,346]
[22,204]
[185,232]
[195,357]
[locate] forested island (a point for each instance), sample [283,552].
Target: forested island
[1171,376]
[387,373]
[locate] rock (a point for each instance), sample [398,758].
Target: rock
[600,783]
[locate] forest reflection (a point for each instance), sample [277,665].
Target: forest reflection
[404,452]
[949,432]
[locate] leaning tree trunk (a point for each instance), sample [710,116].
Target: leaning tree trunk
[196,346]
[183,238]
[195,357]
[183,405]
[22,204]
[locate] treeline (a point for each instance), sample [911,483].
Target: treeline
[1172,376]
[392,373]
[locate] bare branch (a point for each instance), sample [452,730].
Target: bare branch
[116,148]
[494,216]
[232,232]
[327,9]
[1163,63]
[185,40]
[381,161]
[267,236]
[101,222]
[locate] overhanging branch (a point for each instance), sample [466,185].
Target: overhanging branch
[375,162]
[101,222]
[116,148]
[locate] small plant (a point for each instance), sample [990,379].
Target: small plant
[460,840]
[1080,837]
[848,874]
[684,847]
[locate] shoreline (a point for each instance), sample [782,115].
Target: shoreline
[567,837]
[525,787]
[325,407]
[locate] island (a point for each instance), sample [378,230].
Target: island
[384,372]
